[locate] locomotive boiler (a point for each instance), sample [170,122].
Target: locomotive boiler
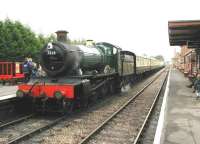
[59,59]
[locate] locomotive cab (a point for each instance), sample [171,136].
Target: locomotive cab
[111,53]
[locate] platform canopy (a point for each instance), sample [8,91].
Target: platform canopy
[184,33]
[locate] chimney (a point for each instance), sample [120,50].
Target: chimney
[62,36]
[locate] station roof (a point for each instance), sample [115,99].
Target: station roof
[184,33]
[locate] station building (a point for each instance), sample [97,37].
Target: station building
[179,121]
[186,34]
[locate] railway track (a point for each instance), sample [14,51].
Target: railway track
[17,120]
[21,129]
[150,113]
[6,109]
[9,115]
[36,125]
[6,103]
[75,129]
[127,123]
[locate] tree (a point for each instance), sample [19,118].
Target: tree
[18,41]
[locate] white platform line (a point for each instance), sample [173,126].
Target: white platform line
[160,126]
[7,97]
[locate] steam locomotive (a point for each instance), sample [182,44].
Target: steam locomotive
[77,74]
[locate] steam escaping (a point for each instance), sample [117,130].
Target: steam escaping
[126,88]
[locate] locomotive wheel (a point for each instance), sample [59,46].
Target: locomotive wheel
[93,98]
[104,90]
[85,95]
[118,86]
[68,106]
[84,101]
[112,88]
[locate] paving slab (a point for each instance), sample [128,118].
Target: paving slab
[182,116]
[7,91]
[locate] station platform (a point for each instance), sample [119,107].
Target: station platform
[181,118]
[7,92]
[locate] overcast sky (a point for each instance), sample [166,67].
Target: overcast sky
[140,26]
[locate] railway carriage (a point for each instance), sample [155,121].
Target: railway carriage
[77,74]
[143,64]
[11,72]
